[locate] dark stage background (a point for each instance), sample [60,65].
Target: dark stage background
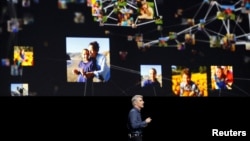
[105,117]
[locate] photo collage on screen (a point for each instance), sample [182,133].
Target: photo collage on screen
[130,13]
[125,13]
[17,23]
[78,16]
[23,57]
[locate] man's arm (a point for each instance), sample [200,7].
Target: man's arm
[103,72]
[135,123]
[101,66]
[101,62]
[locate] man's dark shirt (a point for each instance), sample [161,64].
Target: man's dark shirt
[149,83]
[135,123]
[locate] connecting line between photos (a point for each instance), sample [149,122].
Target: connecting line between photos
[126,70]
[237,87]
[123,91]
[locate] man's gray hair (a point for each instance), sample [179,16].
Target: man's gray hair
[134,98]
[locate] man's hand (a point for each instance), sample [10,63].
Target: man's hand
[148,120]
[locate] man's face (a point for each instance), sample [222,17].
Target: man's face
[92,52]
[152,74]
[139,103]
